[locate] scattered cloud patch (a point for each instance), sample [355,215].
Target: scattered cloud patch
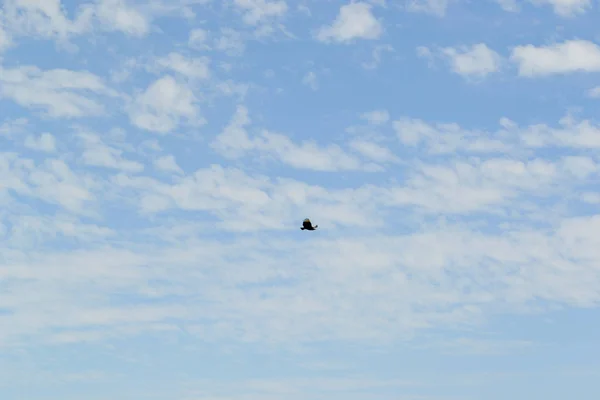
[230,42]
[377,55]
[168,164]
[434,7]
[163,105]
[98,154]
[257,11]
[58,92]
[566,8]
[117,15]
[310,80]
[475,61]
[376,117]
[559,58]
[373,151]
[193,68]
[235,142]
[509,5]
[594,92]
[45,142]
[44,19]
[354,21]
[5,40]
[198,39]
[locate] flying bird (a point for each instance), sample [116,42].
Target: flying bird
[307,225]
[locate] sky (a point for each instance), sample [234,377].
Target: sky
[157,159]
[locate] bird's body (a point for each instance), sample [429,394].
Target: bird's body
[307,225]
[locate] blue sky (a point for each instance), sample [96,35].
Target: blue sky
[157,159]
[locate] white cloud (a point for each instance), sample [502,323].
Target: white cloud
[354,21]
[580,166]
[310,80]
[230,88]
[162,105]
[541,264]
[376,54]
[297,388]
[560,58]
[48,18]
[44,19]
[391,274]
[376,117]
[566,8]
[27,231]
[427,54]
[494,185]
[234,142]
[10,128]
[373,151]
[309,155]
[45,142]
[99,154]
[378,3]
[59,92]
[124,71]
[185,9]
[433,7]
[509,5]
[53,182]
[194,68]
[167,164]
[570,133]
[5,40]
[211,189]
[591,198]
[230,42]
[117,15]
[252,203]
[304,9]
[594,92]
[480,347]
[257,11]
[477,60]
[198,38]
[447,138]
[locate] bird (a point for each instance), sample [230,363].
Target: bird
[307,225]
